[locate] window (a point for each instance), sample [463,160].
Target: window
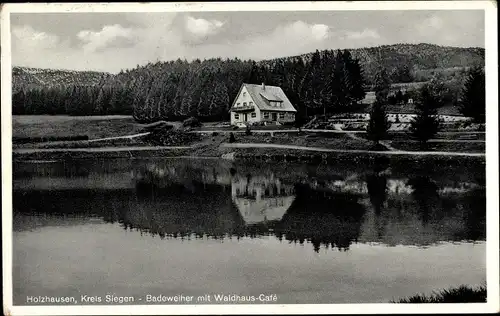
[238,104]
[244,93]
[282,115]
[254,114]
[266,115]
[250,103]
[236,116]
[244,104]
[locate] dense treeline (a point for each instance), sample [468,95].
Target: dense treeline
[73,100]
[319,82]
[329,82]
[404,63]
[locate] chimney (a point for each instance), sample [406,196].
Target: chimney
[263,86]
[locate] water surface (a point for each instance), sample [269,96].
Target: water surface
[304,233]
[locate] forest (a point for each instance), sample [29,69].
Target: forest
[328,82]
[321,82]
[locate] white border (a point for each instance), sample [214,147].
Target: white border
[492,234]
[250,6]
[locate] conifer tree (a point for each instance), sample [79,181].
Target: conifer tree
[426,123]
[379,124]
[355,79]
[382,85]
[99,106]
[473,97]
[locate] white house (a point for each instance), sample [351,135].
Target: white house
[261,103]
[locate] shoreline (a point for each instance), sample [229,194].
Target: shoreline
[233,152]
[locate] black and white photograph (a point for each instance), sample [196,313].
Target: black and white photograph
[276,157]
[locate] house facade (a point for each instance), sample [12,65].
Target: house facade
[261,103]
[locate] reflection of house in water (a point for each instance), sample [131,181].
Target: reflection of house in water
[261,199]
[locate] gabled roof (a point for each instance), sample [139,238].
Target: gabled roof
[269,96]
[261,97]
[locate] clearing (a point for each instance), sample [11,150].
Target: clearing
[63,126]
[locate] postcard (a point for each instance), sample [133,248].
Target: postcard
[250,157]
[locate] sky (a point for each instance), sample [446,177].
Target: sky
[114,41]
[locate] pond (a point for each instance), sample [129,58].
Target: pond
[136,230]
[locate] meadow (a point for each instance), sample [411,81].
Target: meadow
[63,126]
[45,132]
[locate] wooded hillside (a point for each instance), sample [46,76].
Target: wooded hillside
[178,89]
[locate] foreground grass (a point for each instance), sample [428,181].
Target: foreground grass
[461,294]
[334,141]
[65,126]
[472,147]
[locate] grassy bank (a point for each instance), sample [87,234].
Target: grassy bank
[461,294]
[83,144]
[57,126]
[209,144]
[333,141]
[472,147]
[73,155]
[262,155]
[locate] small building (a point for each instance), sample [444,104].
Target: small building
[261,103]
[369,98]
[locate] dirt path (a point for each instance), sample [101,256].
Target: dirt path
[96,149]
[383,143]
[119,137]
[242,130]
[455,141]
[239,131]
[319,149]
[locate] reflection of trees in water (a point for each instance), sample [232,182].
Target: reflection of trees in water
[377,190]
[426,214]
[474,204]
[318,216]
[425,194]
[322,217]
[180,210]
[187,202]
